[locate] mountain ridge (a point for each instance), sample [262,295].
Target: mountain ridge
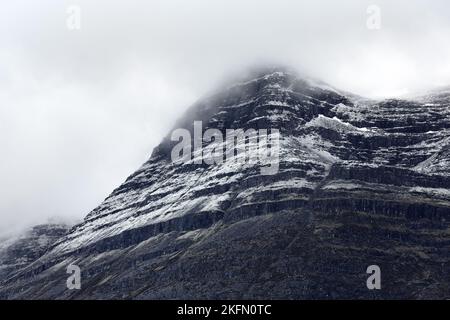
[359,183]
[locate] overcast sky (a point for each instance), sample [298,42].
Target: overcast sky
[80,109]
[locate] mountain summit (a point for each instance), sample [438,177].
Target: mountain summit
[357,183]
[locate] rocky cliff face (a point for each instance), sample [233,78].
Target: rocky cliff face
[359,183]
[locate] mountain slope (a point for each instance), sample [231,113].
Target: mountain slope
[359,183]
[17,252]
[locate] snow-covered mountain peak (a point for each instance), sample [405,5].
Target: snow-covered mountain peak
[356,182]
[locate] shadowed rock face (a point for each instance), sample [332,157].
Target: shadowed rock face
[359,183]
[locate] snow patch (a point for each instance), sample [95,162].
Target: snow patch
[335,124]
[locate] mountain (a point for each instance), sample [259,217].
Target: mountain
[356,183]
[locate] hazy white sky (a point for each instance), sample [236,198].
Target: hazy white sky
[82,109]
